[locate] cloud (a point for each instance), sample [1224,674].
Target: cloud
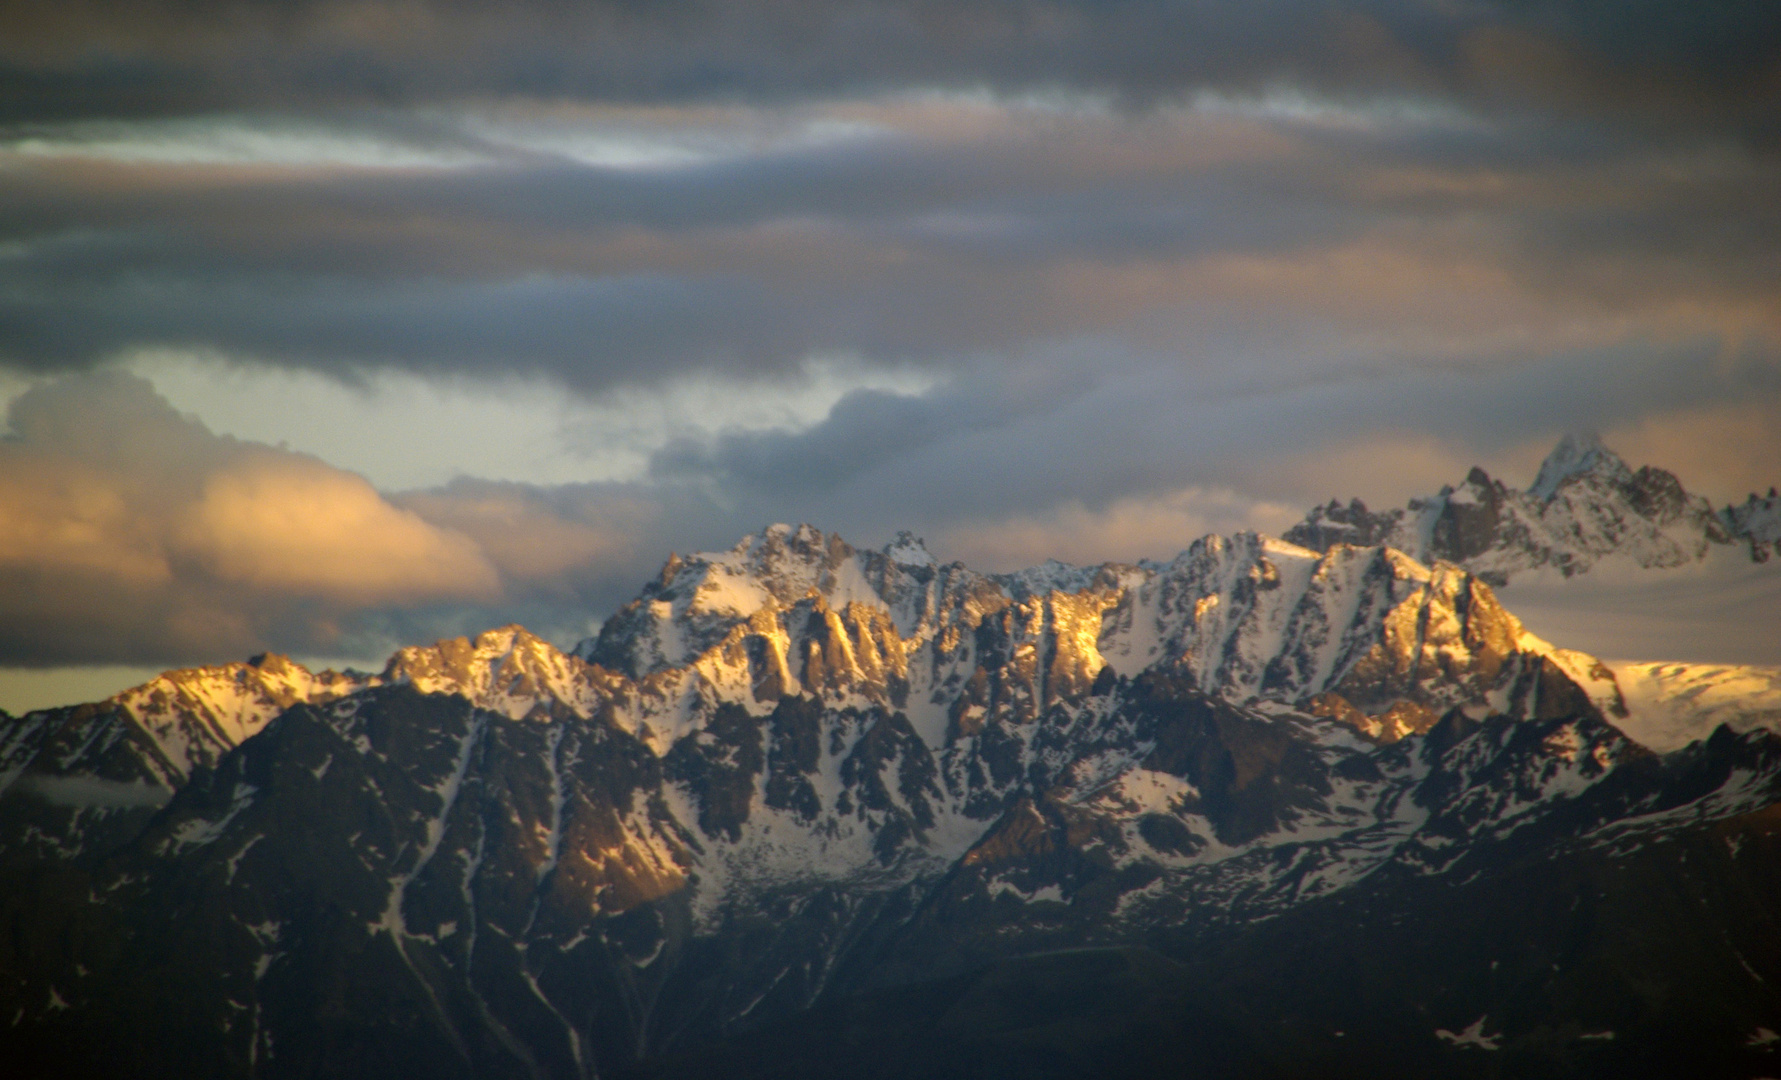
[1020,438]
[1100,275]
[132,534]
[1726,450]
[1127,530]
[276,523]
[97,59]
[129,533]
[1725,609]
[544,540]
[938,229]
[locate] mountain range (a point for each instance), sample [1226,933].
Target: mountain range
[1586,505]
[1314,806]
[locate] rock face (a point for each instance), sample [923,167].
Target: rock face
[1351,632]
[159,732]
[795,775]
[1586,505]
[1757,521]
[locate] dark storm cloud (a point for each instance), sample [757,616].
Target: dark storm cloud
[590,332]
[989,449]
[1044,195]
[867,430]
[901,246]
[602,278]
[96,58]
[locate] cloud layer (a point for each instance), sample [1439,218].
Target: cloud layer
[130,533]
[1033,278]
[933,230]
[90,57]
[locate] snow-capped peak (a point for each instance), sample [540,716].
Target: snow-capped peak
[195,715]
[1585,506]
[908,550]
[507,670]
[1758,521]
[1578,454]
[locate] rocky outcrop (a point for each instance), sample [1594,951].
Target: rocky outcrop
[1586,505]
[1757,522]
[1253,619]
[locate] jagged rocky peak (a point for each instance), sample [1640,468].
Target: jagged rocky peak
[1342,523]
[908,549]
[508,670]
[1578,454]
[197,714]
[453,663]
[1655,494]
[154,737]
[182,720]
[786,561]
[268,679]
[1758,521]
[699,599]
[1586,505]
[814,769]
[1365,635]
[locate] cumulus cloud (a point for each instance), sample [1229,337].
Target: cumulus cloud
[129,533]
[276,523]
[554,542]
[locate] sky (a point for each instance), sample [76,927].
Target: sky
[331,326]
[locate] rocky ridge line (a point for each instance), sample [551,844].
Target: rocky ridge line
[1586,505]
[795,770]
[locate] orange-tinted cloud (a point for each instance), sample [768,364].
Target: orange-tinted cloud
[1127,530]
[129,533]
[540,545]
[291,525]
[1725,451]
